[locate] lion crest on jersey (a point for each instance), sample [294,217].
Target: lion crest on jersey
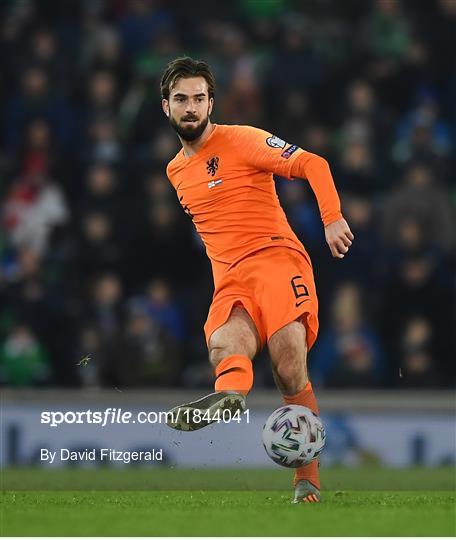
[212,165]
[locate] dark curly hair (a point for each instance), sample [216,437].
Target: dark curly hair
[186,67]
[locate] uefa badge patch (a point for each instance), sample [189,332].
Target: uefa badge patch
[289,151]
[275,142]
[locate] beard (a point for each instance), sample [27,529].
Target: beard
[189,133]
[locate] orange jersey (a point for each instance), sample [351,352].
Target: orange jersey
[227,188]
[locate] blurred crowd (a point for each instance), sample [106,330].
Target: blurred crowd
[103,280]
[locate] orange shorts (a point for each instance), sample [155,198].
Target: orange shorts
[275,286]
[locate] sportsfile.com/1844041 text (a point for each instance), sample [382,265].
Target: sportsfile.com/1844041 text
[113,415]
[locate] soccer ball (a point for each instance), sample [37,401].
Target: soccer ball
[293,436]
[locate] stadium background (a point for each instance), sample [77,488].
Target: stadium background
[96,256]
[104,286]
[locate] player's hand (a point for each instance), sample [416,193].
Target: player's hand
[339,238]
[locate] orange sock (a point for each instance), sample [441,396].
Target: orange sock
[306,397]
[234,373]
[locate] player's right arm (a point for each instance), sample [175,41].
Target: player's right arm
[270,153]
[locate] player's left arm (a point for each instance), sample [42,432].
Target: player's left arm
[267,152]
[316,170]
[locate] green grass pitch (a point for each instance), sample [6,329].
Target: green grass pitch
[238,502]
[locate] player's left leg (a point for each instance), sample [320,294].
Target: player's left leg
[288,351]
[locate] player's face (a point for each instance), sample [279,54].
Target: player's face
[189,107]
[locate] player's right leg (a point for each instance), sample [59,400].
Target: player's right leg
[232,347]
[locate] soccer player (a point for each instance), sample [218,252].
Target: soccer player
[263,279]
